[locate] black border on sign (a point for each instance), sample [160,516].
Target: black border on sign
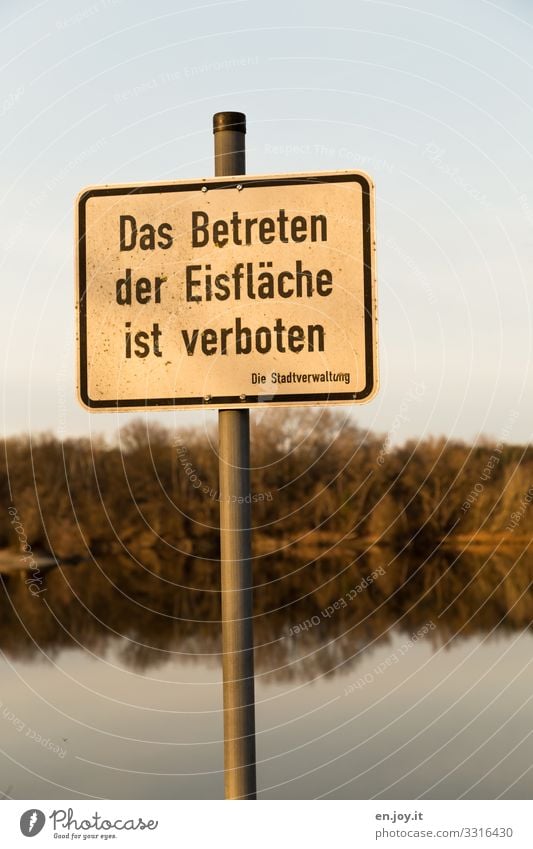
[222,400]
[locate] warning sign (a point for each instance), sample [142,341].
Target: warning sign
[227,292]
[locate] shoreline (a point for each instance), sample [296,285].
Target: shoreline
[313,542]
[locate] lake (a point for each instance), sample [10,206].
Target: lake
[377,676]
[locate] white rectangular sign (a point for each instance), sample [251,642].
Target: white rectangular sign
[227,292]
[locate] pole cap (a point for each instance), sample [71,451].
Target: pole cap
[235,121]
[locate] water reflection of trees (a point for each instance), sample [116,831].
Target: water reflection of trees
[151,615]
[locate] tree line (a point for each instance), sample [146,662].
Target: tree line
[317,479]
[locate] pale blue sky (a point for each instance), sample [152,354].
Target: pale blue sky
[433,99]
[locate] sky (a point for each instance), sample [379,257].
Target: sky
[432,99]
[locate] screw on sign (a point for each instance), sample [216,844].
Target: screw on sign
[230,292]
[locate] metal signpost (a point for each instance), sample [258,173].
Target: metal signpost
[228,293]
[229,129]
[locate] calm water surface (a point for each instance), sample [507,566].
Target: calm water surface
[416,685]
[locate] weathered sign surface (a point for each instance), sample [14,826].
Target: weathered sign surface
[227,292]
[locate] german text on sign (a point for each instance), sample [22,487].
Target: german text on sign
[227,292]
